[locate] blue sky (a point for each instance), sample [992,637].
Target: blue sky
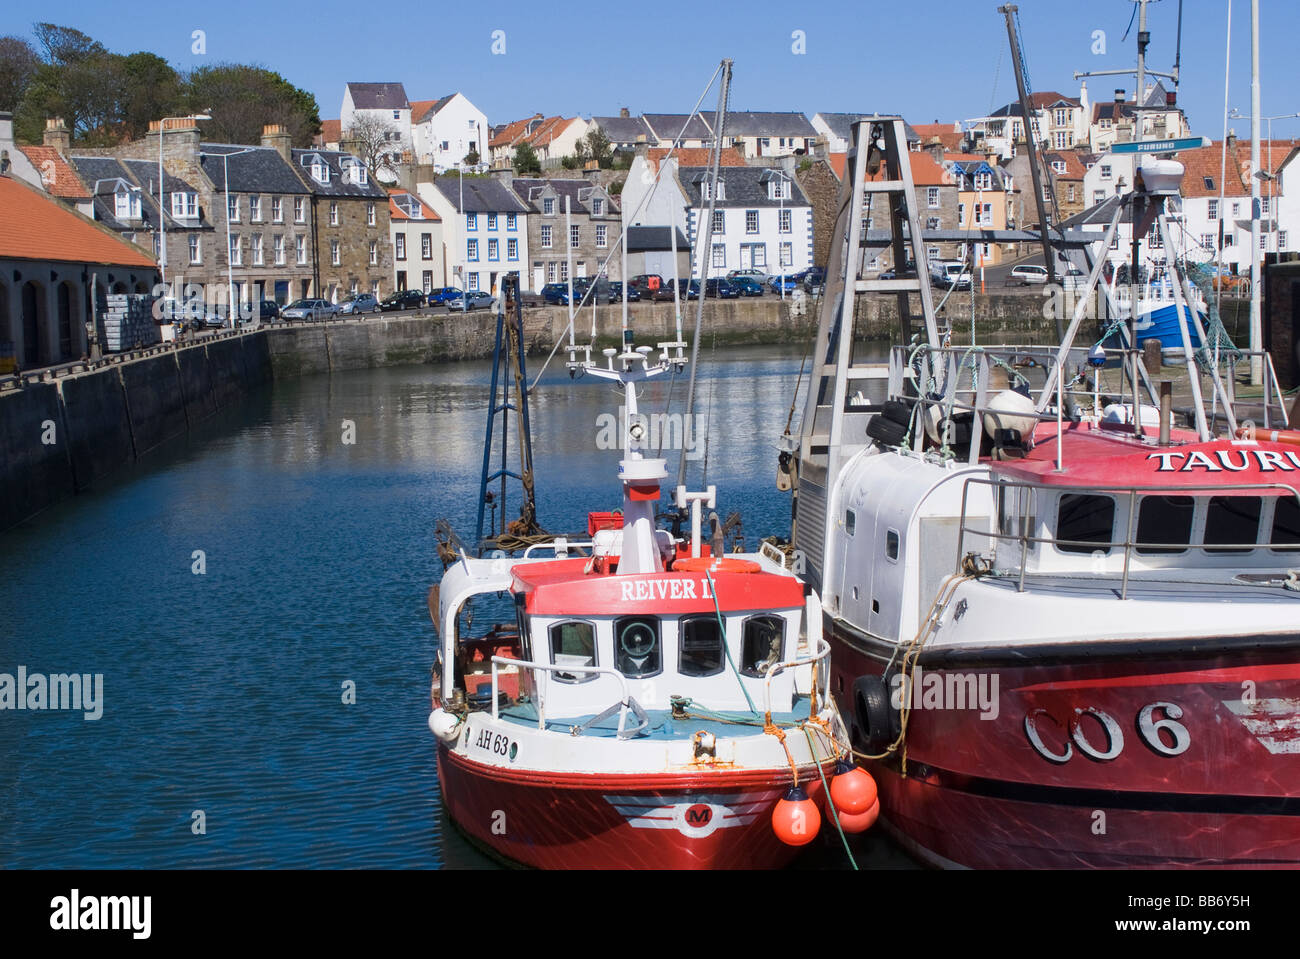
[938,60]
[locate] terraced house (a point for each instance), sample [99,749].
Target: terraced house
[351,245]
[586,236]
[419,255]
[485,228]
[761,219]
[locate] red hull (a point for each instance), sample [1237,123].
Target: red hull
[711,820]
[1085,765]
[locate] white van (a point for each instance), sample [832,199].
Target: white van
[1028,273]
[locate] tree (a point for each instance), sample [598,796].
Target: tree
[471,158]
[599,146]
[526,159]
[151,89]
[78,80]
[19,62]
[241,99]
[373,137]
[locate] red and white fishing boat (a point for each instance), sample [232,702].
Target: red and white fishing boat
[648,705]
[1060,639]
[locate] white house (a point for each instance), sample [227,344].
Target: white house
[416,232]
[484,229]
[769,134]
[446,130]
[382,102]
[761,219]
[1059,121]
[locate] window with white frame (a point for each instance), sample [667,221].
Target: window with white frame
[932,253]
[961,217]
[399,246]
[932,222]
[1236,209]
[512,248]
[574,235]
[300,248]
[932,197]
[1098,196]
[277,210]
[1062,139]
[1212,209]
[1281,240]
[564,271]
[787,254]
[196,250]
[778,189]
[256,244]
[471,221]
[1058,166]
[1264,204]
[236,251]
[374,253]
[471,249]
[492,221]
[512,221]
[426,281]
[1071,193]
[548,206]
[719,222]
[426,246]
[983,181]
[785,221]
[985,214]
[334,212]
[1263,241]
[335,257]
[602,237]
[1207,240]
[1229,239]
[299,210]
[494,248]
[1062,117]
[719,255]
[546,236]
[370,214]
[751,221]
[232,209]
[127,204]
[597,206]
[550,272]
[1105,171]
[255,209]
[277,247]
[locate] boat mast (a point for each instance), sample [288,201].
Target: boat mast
[1256,324]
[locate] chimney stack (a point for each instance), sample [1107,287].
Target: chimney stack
[58,136]
[180,146]
[275,136]
[624,112]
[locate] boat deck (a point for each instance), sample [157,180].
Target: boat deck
[663,726]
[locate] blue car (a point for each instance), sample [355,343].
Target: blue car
[720,289]
[443,295]
[557,294]
[746,285]
[788,282]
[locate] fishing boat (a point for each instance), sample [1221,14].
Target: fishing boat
[648,704]
[1063,635]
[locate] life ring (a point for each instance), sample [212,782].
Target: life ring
[714,564]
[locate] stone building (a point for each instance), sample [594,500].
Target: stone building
[594,222]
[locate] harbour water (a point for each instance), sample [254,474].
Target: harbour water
[254,599]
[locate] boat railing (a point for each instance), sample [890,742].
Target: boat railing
[624,704]
[1025,519]
[823,652]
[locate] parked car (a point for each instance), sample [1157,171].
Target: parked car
[757,275]
[957,275]
[472,300]
[443,295]
[557,294]
[402,300]
[359,303]
[687,290]
[721,289]
[646,282]
[746,285]
[813,279]
[787,282]
[268,310]
[1027,273]
[309,310]
[616,292]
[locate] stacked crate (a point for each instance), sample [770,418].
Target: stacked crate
[126,322]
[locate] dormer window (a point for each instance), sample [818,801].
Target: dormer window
[354,171]
[597,207]
[320,171]
[778,189]
[126,203]
[1058,166]
[983,181]
[548,206]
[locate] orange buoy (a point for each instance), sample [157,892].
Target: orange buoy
[860,822]
[852,789]
[715,564]
[795,820]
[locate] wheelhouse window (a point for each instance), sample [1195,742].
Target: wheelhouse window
[1231,522]
[762,644]
[637,650]
[573,644]
[1165,523]
[1085,523]
[1286,523]
[699,644]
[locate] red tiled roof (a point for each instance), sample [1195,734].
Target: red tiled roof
[925,171]
[395,212]
[950,138]
[330,131]
[694,156]
[1073,165]
[34,227]
[57,174]
[419,108]
[512,131]
[1204,162]
[838,162]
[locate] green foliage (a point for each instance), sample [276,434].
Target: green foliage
[616,188]
[805,165]
[599,147]
[526,161]
[19,62]
[570,163]
[242,99]
[472,157]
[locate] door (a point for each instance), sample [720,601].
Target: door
[539,276]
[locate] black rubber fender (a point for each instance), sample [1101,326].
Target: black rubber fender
[875,724]
[886,431]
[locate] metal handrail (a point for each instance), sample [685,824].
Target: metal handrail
[823,651]
[552,668]
[1128,543]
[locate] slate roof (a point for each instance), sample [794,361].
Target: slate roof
[482,195]
[579,192]
[745,124]
[101,174]
[261,170]
[378,96]
[655,239]
[744,187]
[337,185]
[34,227]
[841,124]
[668,127]
[64,182]
[625,129]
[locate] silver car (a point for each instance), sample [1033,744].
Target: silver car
[359,303]
[309,310]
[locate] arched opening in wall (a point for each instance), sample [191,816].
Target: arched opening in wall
[119,287]
[63,303]
[142,288]
[34,351]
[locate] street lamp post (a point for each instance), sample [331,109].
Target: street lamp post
[162,210]
[230,262]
